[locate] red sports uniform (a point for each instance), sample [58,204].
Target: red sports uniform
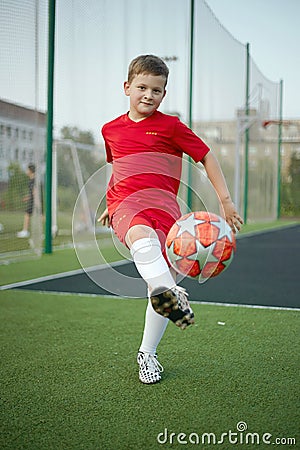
[147,162]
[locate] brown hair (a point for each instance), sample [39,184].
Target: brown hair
[148,64]
[31,167]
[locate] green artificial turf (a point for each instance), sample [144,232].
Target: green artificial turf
[69,379]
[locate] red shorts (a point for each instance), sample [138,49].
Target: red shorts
[160,221]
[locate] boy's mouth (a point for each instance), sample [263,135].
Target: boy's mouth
[147,104]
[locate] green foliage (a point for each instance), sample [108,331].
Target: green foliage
[77,135]
[65,168]
[12,197]
[67,182]
[290,190]
[66,198]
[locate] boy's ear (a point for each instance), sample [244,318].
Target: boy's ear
[126,88]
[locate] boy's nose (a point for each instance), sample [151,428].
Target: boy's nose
[148,93]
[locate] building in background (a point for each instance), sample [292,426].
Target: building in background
[22,137]
[222,136]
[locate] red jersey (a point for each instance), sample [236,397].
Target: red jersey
[147,159]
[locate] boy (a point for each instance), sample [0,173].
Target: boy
[29,199]
[145,148]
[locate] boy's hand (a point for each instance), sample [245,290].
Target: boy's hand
[104,218]
[228,211]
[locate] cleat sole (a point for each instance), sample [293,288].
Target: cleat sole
[166,304]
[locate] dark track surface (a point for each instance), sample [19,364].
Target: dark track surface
[265,271]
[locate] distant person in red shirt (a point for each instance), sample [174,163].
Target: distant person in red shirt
[145,148]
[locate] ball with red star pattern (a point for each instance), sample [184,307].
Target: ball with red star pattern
[200,245]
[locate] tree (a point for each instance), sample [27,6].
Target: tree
[17,187]
[67,182]
[77,135]
[290,200]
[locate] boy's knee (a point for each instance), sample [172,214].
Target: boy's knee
[137,232]
[146,251]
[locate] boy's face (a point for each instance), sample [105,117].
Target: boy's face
[29,173]
[146,92]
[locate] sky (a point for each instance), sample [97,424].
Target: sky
[272,29]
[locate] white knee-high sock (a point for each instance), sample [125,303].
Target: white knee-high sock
[154,329]
[151,264]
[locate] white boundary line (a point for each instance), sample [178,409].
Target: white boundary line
[244,305]
[266,230]
[120,263]
[62,275]
[194,302]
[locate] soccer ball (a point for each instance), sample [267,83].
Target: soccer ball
[200,245]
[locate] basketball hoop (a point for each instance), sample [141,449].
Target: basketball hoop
[285,123]
[266,123]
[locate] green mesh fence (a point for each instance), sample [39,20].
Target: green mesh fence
[221,117]
[263,154]
[23,43]
[95,41]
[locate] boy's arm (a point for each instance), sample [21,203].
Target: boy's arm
[215,174]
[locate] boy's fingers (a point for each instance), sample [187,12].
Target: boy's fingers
[235,223]
[104,220]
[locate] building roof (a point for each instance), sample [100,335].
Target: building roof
[14,111]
